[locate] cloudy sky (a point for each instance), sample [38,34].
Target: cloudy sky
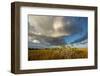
[47,31]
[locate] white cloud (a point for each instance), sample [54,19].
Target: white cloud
[36,41]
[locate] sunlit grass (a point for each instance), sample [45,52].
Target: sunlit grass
[57,53]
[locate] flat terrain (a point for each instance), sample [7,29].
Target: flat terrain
[57,53]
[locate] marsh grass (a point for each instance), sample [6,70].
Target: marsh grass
[57,53]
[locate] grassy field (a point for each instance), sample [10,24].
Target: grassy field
[57,53]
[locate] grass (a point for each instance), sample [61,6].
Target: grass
[57,53]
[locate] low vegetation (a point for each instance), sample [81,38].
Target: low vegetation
[57,53]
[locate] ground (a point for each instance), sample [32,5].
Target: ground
[57,53]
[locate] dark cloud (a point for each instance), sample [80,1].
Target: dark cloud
[76,27]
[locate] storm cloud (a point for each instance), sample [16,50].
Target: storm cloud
[46,31]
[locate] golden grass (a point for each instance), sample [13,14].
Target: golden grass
[57,53]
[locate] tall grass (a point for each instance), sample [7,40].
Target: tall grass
[57,53]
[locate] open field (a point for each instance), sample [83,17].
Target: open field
[57,53]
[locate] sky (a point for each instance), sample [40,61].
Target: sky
[50,31]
